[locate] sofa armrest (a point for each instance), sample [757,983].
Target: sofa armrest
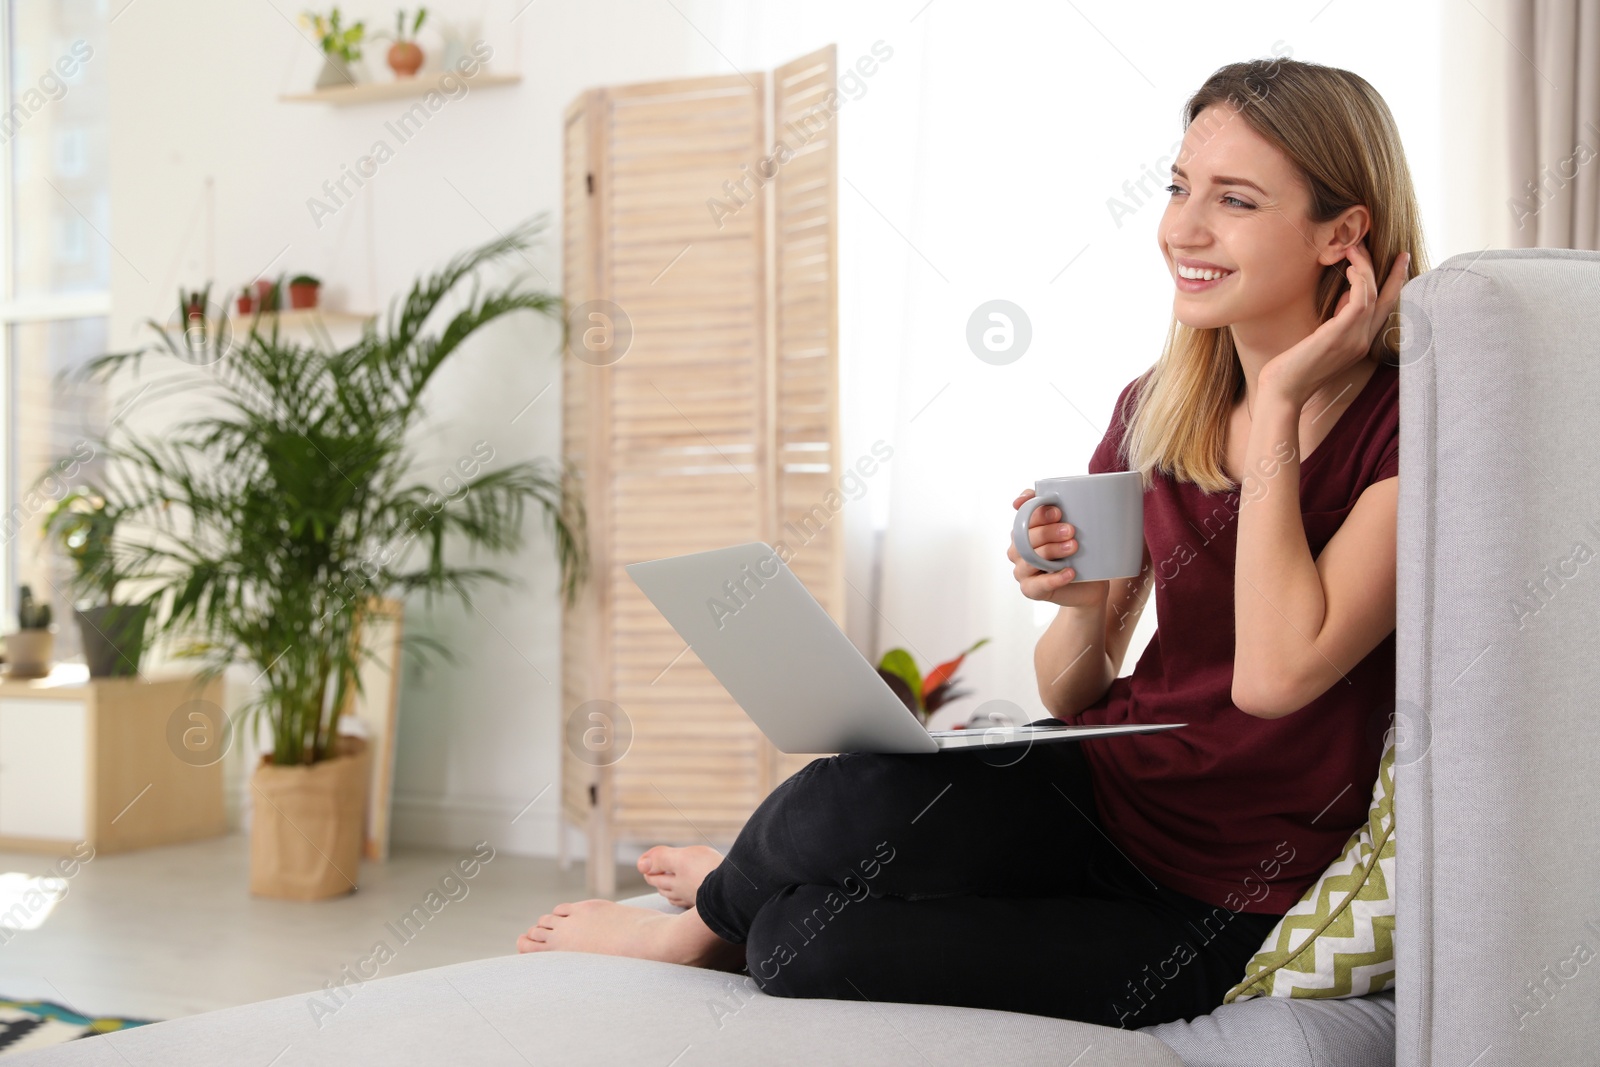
[1496,673]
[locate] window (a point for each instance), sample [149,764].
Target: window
[72,153]
[55,278]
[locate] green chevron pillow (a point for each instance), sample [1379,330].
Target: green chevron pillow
[1338,941]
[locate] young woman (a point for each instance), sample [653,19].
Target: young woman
[1149,867]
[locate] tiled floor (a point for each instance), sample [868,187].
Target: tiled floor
[172,931]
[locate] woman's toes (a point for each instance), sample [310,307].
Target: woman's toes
[650,860]
[532,939]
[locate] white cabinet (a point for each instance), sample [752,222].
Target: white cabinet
[43,769]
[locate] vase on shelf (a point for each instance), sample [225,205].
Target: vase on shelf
[335,74]
[458,40]
[405,59]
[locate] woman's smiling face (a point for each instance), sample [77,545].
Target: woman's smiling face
[1239,207]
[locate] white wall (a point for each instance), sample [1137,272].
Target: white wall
[1474,139]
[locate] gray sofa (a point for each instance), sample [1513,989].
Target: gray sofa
[1499,611]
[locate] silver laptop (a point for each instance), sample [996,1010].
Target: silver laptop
[794,672]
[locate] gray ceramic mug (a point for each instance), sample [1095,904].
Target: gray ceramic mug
[1106,512]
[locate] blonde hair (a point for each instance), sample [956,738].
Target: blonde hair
[1336,129]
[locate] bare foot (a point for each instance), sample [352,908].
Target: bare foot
[612,929]
[678,872]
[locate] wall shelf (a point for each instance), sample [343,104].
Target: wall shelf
[399,89]
[299,318]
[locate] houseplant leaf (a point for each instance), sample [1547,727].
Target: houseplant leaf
[898,662]
[266,521]
[946,670]
[942,695]
[901,690]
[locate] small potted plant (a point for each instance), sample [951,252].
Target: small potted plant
[303,291]
[113,633]
[245,302]
[341,46]
[203,332]
[268,293]
[923,695]
[28,649]
[204,335]
[405,55]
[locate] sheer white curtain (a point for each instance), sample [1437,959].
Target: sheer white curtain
[1017,151]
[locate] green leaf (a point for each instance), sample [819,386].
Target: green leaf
[898,661]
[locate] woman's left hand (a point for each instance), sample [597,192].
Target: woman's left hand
[1347,336]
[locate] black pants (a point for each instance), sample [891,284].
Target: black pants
[977,877]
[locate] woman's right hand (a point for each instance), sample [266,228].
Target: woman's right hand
[1052,539]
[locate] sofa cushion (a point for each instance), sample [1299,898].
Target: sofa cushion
[1274,1032]
[579,1008]
[1338,939]
[1261,1032]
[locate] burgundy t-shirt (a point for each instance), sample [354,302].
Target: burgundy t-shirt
[1241,812]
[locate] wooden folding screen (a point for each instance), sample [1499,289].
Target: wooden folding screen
[701,410]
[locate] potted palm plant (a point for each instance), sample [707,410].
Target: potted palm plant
[113,633]
[270,519]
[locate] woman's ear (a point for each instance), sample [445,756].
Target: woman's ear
[1337,235]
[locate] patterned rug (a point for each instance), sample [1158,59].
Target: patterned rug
[26,1025]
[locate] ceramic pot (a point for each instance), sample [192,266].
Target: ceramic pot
[113,638]
[303,296]
[405,59]
[335,74]
[28,653]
